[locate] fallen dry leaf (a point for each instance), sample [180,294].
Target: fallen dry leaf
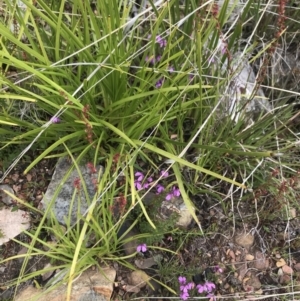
[12,224]
[280,263]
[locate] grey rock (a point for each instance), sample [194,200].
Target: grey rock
[178,206]
[4,197]
[63,205]
[242,96]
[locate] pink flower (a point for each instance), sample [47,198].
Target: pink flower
[150,60]
[184,295]
[162,42]
[142,248]
[209,286]
[217,269]
[159,188]
[200,288]
[181,279]
[169,197]
[184,288]
[176,191]
[139,175]
[55,119]
[171,69]
[190,285]
[138,185]
[159,83]
[164,173]
[146,185]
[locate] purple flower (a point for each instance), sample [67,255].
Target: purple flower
[171,69]
[158,39]
[191,77]
[184,288]
[139,175]
[55,119]
[162,42]
[169,196]
[217,269]
[141,248]
[150,60]
[159,83]
[200,288]
[211,297]
[184,295]
[149,180]
[164,173]
[159,188]
[223,46]
[146,185]
[176,192]
[138,185]
[181,279]
[190,285]
[209,286]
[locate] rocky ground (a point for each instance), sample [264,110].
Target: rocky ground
[250,251]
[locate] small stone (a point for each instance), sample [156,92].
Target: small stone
[148,262]
[245,240]
[226,286]
[297,267]
[287,270]
[212,212]
[138,278]
[261,262]
[254,282]
[49,273]
[4,197]
[285,279]
[249,257]
[22,251]
[177,205]
[280,263]
[29,177]
[2,269]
